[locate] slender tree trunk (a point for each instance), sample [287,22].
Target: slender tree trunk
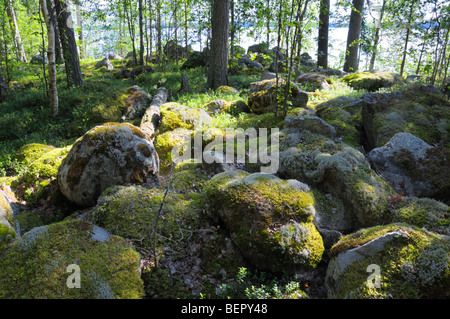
[444,53]
[141,33]
[377,37]
[277,71]
[175,26]
[44,72]
[69,44]
[354,31]
[408,32]
[80,31]
[53,90]
[186,27]
[232,29]
[131,30]
[268,24]
[159,32]
[21,56]
[324,23]
[150,51]
[219,44]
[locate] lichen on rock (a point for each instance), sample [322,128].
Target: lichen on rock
[107,155]
[269,219]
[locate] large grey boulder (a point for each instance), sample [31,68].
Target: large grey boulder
[339,170]
[388,162]
[108,155]
[263,96]
[313,124]
[104,63]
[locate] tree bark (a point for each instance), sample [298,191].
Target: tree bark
[159,32]
[53,90]
[69,44]
[141,33]
[408,32]
[217,75]
[324,23]
[377,37]
[354,32]
[80,31]
[21,56]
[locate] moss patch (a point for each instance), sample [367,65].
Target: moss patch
[36,266]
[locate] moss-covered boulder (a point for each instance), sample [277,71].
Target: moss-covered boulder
[314,81]
[422,212]
[174,115]
[163,227]
[218,106]
[31,152]
[147,214]
[269,219]
[344,114]
[392,261]
[227,90]
[46,166]
[38,266]
[335,168]
[263,96]
[420,110]
[372,80]
[7,232]
[107,155]
[165,142]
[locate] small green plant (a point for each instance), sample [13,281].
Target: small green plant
[261,285]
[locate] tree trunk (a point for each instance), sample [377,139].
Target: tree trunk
[219,44]
[377,37]
[354,31]
[408,32]
[324,23]
[268,24]
[69,44]
[141,33]
[80,31]
[232,29]
[159,32]
[21,56]
[53,90]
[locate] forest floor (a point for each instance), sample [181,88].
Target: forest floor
[25,119]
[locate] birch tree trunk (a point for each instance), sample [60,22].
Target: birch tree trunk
[53,90]
[80,31]
[377,37]
[21,56]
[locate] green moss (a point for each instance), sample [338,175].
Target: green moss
[36,266]
[269,219]
[31,152]
[28,221]
[411,266]
[7,235]
[132,211]
[371,81]
[423,212]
